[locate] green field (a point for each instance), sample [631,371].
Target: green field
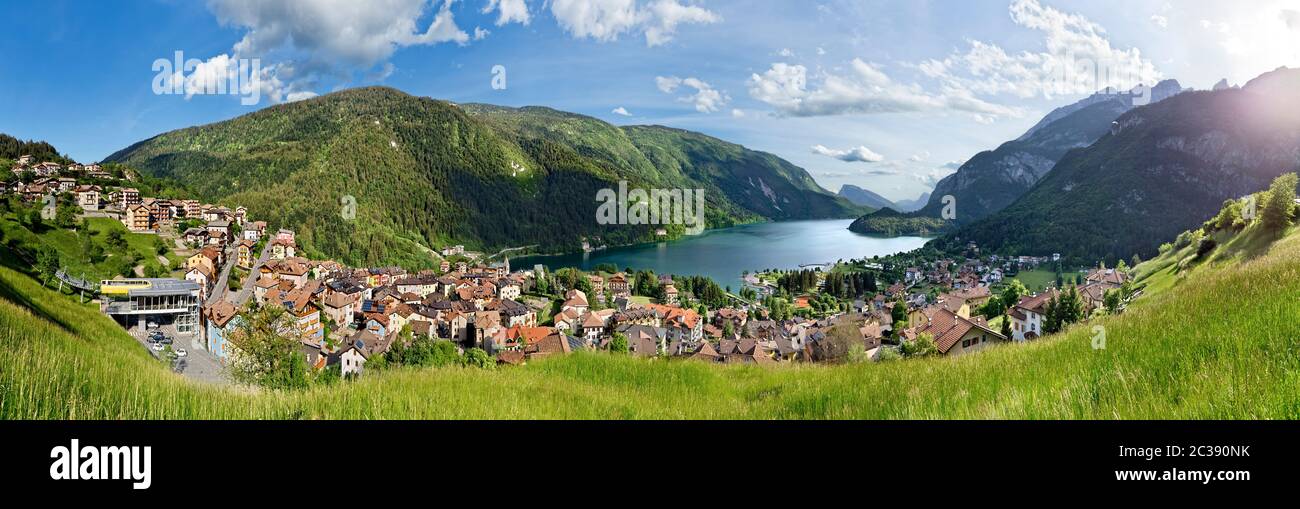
[72,253]
[1222,346]
[1037,280]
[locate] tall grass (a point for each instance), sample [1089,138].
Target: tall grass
[1220,345]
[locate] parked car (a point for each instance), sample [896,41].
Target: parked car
[166,340]
[180,352]
[151,325]
[157,347]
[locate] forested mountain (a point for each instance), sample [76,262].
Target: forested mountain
[12,148]
[427,173]
[864,197]
[1161,171]
[993,179]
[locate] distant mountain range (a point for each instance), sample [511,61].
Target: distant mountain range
[427,173]
[864,197]
[1161,169]
[868,198]
[993,179]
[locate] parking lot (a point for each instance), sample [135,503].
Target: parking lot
[198,363]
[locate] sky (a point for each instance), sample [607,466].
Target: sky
[889,95]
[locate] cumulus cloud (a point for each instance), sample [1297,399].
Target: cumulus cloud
[481,33]
[621,111]
[1292,18]
[1077,58]
[862,89]
[705,98]
[606,20]
[508,11]
[858,154]
[301,41]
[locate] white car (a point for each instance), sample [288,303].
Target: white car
[157,347]
[180,352]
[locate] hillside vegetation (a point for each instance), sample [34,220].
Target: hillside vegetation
[428,173]
[1221,346]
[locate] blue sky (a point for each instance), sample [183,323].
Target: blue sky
[887,95]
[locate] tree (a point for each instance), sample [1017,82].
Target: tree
[1112,300]
[618,344]
[1052,318]
[115,239]
[922,346]
[1280,203]
[266,350]
[478,358]
[47,263]
[1006,327]
[729,329]
[1012,292]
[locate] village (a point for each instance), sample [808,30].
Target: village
[345,317]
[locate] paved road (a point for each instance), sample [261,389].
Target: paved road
[246,290]
[219,289]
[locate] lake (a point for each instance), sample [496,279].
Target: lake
[724,253]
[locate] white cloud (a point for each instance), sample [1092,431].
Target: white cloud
[1160,21]
[621,111]
[858,154]
[821,51]
[706,98]
[786,52]
[916,158]
[509,11]
[481,33]
[737,113]
[1077,58]
[606,20]
[301,41]
[1292,18]
[864,89]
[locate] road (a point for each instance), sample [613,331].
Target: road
[246,290]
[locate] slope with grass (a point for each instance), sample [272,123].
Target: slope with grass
[1222,346]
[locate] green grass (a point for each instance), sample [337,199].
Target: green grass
[69,246]
[1223,347]
[1037,280]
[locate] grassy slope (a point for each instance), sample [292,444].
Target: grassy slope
[69,247]
[1220,347]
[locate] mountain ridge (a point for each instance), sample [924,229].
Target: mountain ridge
[427,173]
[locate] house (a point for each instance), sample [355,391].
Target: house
[1028,315]
[88,197]
[339,306]
[129,197]
[204,276]
[975,296]
[357,348]
[957,335]
[281,249]
[306,315]
[196,236]
[244,254]
[221,321]
[253,231]
[670,294]
[618,285]
[137,218]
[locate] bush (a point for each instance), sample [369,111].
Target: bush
[1205,247]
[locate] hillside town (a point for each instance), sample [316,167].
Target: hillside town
[343,317]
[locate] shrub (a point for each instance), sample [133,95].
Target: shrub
[1205,247]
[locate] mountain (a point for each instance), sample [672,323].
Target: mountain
[993,179]
[427,173]
[1160,170]
[864,197]
[912,205]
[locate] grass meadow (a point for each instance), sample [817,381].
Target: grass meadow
[1218,344]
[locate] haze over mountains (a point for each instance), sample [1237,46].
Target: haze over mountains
[427,173]
[1163,169]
